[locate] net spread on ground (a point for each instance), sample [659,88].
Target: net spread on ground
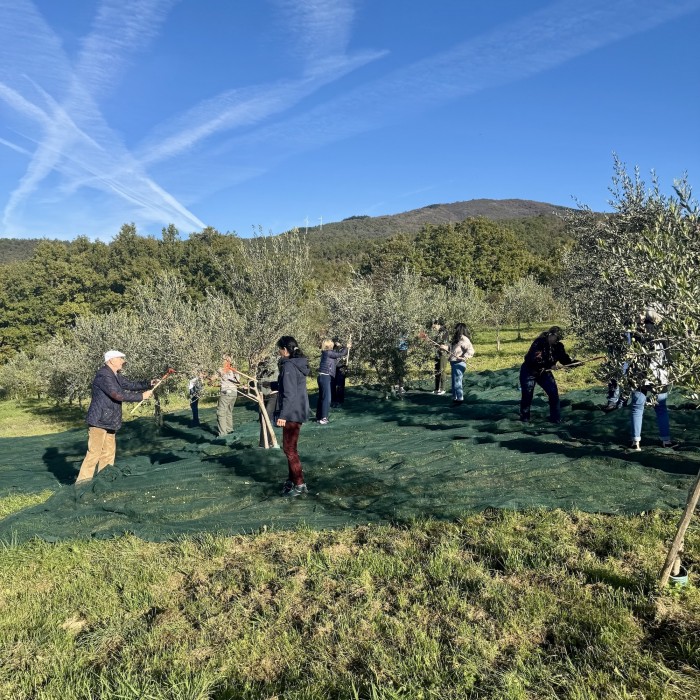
[377,460]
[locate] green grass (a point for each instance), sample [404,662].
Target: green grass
[495,605]
[500,604]
[37,417]
[17,501]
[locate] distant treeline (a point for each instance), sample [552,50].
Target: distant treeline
[45,285]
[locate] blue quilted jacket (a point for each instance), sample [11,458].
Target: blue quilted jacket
[109,391]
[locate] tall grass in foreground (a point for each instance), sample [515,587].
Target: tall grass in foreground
[496,605]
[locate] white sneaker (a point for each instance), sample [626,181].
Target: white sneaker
[440,393]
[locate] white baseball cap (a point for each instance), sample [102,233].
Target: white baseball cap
[112,354]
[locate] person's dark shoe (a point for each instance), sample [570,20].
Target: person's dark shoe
[669,444]
[556,421]
[294,491]
[524,419]
[634,446]
[457,402]
[288,486]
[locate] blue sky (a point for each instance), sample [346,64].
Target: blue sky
[270,113]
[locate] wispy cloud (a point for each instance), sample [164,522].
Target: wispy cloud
[15,147]
[55,101]
[75,139]
[536,43]
[319,31]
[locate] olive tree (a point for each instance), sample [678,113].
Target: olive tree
[645,254]
[267,291]
[382,312]
[527,301]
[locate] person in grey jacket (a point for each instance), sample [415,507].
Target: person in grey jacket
[292,409]
[104,417]
[326,375]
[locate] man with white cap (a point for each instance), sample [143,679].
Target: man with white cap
[104,417]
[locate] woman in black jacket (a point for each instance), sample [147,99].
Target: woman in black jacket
[292,409]
[545,352]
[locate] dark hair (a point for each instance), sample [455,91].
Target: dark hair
[290,345]
[438,322]
[460,330]
[554,330]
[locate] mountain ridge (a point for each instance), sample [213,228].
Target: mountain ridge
[413,220]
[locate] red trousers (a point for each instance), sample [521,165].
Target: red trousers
[290,438]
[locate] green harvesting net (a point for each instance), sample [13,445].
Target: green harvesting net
[378,460]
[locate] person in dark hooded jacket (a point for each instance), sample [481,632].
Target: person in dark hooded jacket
[544,354]
[104,417]
[292,409]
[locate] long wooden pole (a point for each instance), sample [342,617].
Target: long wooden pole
[576,364]
[677,544]
[154,387]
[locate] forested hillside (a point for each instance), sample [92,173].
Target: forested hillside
[13,249]
[538,225]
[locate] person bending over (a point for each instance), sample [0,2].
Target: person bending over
[544,354]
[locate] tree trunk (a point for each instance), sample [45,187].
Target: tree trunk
[677,544]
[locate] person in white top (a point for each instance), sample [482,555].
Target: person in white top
[653,382]
[460,350]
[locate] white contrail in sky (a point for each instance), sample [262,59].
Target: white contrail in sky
[538,42]
[74,132]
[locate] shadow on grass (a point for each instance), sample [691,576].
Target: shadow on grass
[57,463]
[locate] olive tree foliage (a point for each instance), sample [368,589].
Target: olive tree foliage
[461,301]
[165,329]
[267,291]
[179,333]
[527,301]
[378,313]
[22,376]
[76,357]
[646,254]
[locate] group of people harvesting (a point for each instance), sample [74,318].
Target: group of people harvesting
[283,384]
[282,381]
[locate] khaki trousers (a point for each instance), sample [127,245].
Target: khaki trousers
[224,412]
[101,451]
